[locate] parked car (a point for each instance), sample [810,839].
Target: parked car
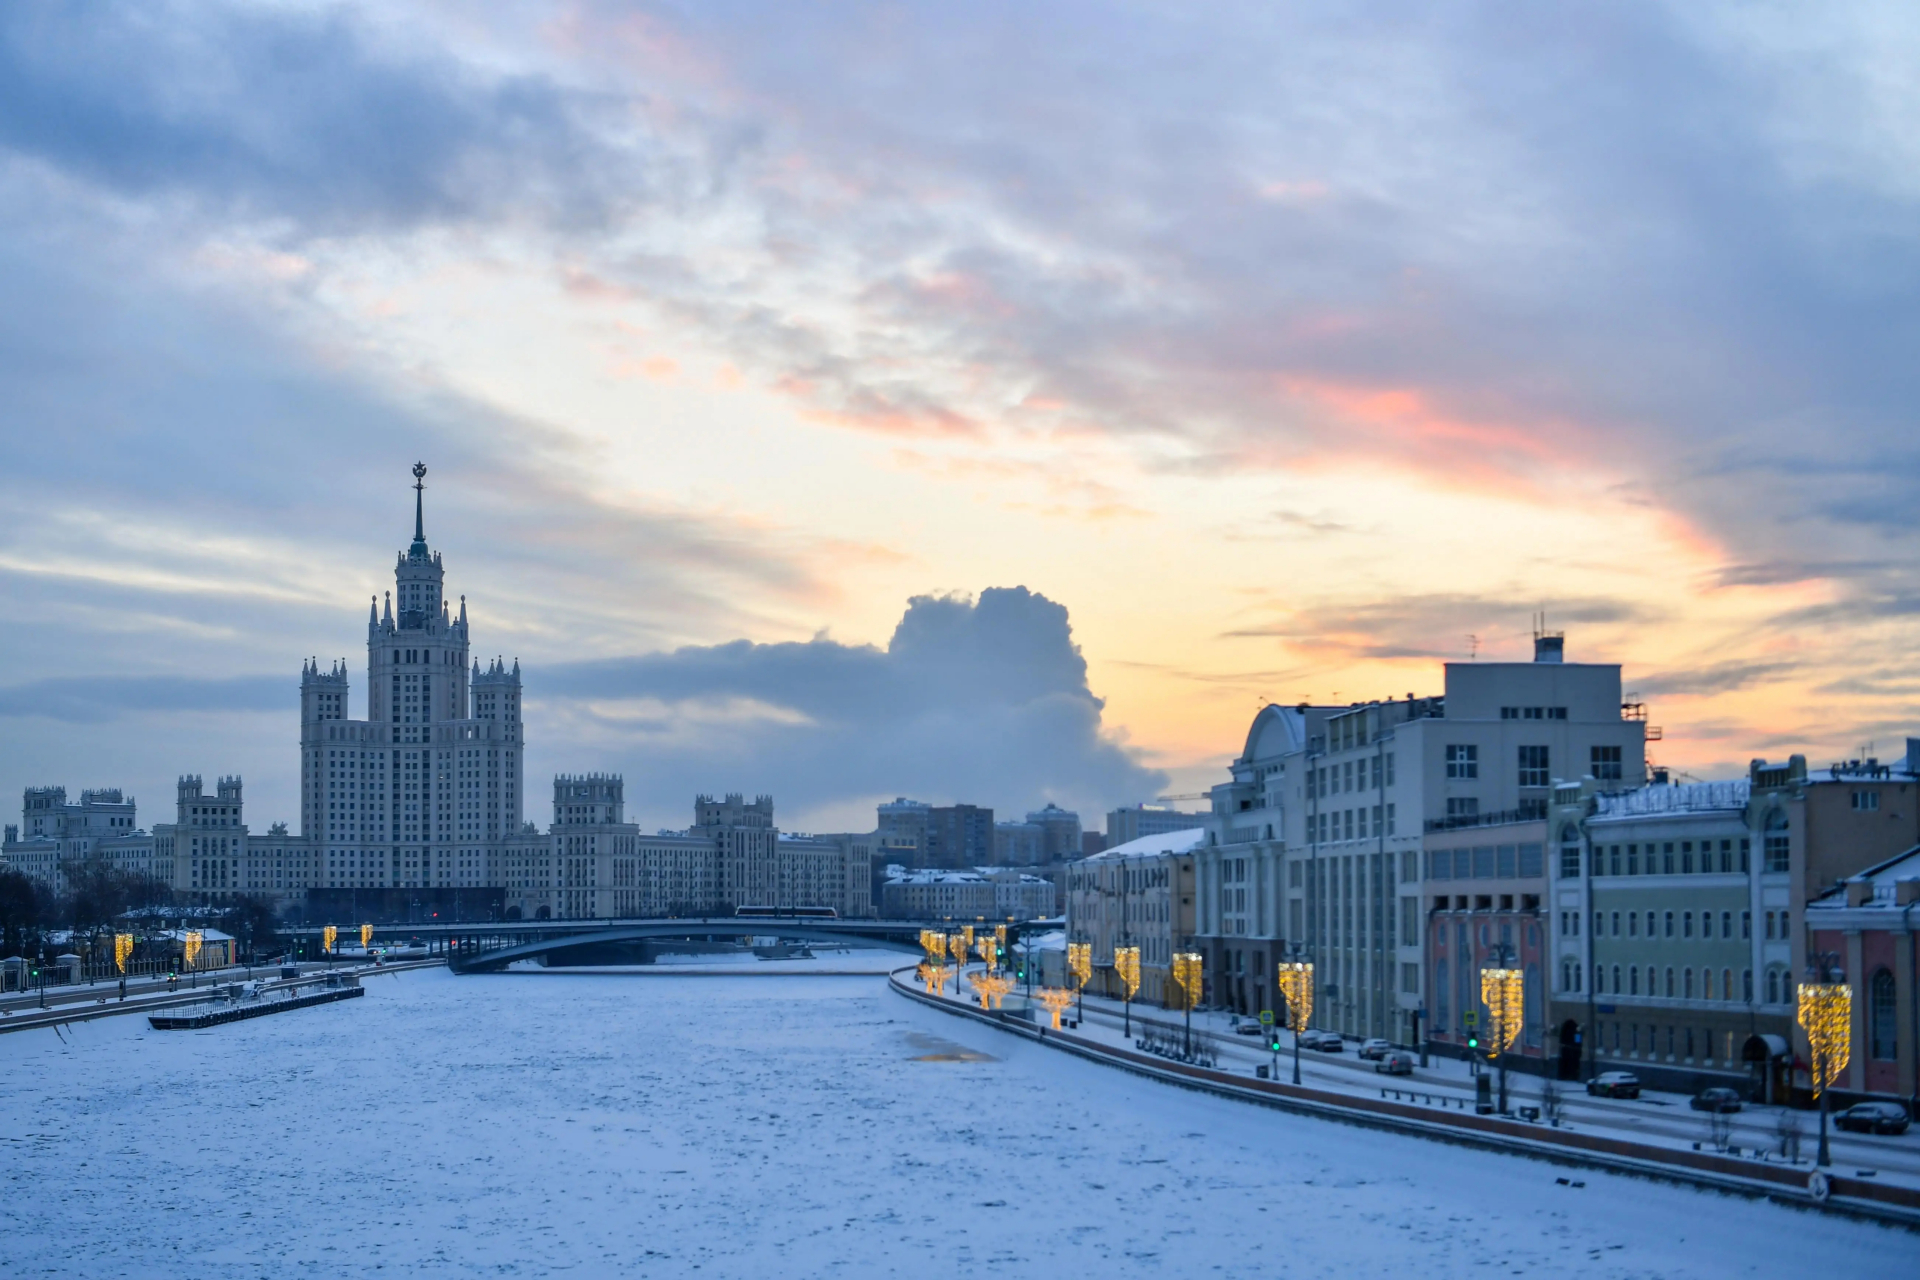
[1374,1049]
[1394,1063]
[1873,1117]
[1249,1029]
[1718,1099]
[1614,1084]
[1323,1041]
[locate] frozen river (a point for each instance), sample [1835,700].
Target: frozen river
[767,1127]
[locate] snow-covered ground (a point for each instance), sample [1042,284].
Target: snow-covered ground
[583,1124]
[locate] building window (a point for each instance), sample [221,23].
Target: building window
[1462,807]
[1777,847]
[1533,767]
[1882,1039]
[1570,854]
[1463,761]
[1746,985]
[1606,764]
[1866,801]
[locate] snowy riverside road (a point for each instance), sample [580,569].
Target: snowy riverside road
[757,1126]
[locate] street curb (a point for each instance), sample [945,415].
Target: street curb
[1852,1197]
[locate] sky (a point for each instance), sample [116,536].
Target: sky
[993,403]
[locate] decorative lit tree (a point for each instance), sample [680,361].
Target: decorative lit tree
[1126,964]
[366,936]
[1502,989]
[122,950]
[958,945]
[995,987]
[1296,985]
[1826,1014]
[989,949]
[935,943]
[1056,999]
[328,936]
[1080,967]
[1187,979]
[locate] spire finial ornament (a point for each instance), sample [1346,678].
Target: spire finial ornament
[419,484]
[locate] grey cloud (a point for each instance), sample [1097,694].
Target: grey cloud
[981,700]
[1431,626]
[275,112]
[98,699]
[1703,682]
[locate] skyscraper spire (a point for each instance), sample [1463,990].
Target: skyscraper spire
[419,547]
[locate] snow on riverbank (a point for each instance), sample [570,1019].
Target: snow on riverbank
[813,1126]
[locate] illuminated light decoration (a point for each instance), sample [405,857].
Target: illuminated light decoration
[1188,970]
[979,982]
[934,975]
[1000,936]
[1826,1014]
[994,987]
[1296,984]
[122,950]
[1126,963]
[966,931]
[935,943]
[194,939]
[1056,1000]
[989,950]
[1080,962]
[329,936]
[1501,991]
[958,945]
[366,936]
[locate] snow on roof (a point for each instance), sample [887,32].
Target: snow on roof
[1160,846]
[1676,797]
[934,875]
[1882,876]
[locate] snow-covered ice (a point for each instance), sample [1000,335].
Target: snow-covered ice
[770,1127]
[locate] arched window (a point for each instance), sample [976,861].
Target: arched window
[1746,985]
[1882,1037]
[1616,980]
[1688,977]
[1726,984]
[1773,986]
[1633,979]
[1706,984]
[1669,982]
[1776,845]
[1570,852]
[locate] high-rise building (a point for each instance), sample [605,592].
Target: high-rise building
[1135,820]
[425,790]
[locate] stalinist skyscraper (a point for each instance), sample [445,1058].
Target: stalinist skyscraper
[427,789]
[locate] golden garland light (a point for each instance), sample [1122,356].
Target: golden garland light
[1080,962]
[1826,1014]
[966,931]
[1000,936]
[989,950]
[1501,991]
[1057,1001]
[366,936]
[122,950]
[958,945]
[1126,963]
[1187,975]
[1296,984]
[329,936]
[936,944]
[934,975]
[993,986]
[192,946]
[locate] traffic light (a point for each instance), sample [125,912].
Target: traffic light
[1473,1042]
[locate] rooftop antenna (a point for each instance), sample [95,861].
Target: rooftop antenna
[1473,648]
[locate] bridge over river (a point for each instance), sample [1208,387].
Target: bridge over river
[490,947]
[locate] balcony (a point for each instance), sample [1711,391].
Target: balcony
[1493,818]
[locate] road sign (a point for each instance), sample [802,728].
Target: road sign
[1473,1018]
[1266,1017]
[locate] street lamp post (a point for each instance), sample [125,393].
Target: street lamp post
[1502,989]
[1296,984]
[1186,971]
[1126,963]
[1826,1014]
